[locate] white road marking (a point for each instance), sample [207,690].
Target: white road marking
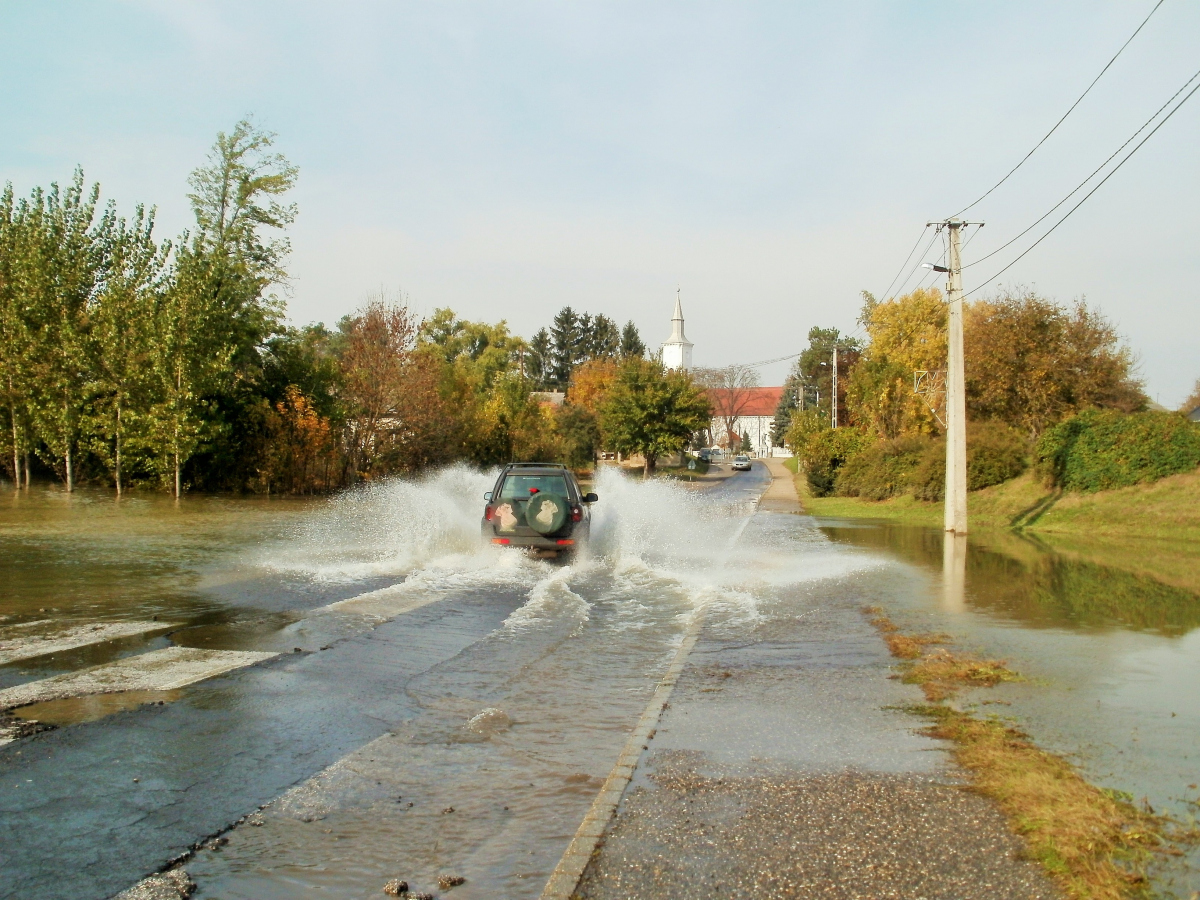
[160,670]
[17,641]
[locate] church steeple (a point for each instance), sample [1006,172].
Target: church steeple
[677,351]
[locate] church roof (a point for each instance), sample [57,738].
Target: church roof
[759,401]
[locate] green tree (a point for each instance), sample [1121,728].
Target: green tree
[58,259]
[631,342]
[479,350]
[816,365]
[14,336]
[566,346]
[652,411]
[539,363]
[217,315]
[601,338]
[120,323]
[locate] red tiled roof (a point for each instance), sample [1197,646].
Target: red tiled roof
[760,401]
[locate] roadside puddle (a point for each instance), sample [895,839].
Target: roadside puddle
[76,710]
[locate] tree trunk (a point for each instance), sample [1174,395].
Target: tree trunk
[648,469]
[178,483]
[117,454]
[70,471]
[27,469]
[16,452]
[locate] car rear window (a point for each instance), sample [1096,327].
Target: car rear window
[522,487]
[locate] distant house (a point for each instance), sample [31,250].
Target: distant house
[548,398]
[1194,415]
[745,411]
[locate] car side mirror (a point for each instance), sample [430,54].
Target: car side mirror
[487,495]
[590,498]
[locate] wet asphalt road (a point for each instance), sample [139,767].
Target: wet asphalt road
[75,824]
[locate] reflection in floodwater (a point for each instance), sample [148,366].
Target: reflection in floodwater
[954,572]
[1013,576]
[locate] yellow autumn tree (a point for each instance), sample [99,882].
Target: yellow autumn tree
[908,335]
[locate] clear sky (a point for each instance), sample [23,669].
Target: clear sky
[771,160]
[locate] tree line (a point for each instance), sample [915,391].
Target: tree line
[123,355]
[1030,364]
[125,359]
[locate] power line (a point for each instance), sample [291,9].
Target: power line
[1064,116]
[917,264]
[1116,168]
[905,263]
[767,362]
[1083,183]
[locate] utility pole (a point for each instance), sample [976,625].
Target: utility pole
[833,404]
[956,392]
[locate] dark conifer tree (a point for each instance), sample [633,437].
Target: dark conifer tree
[538,361]
[565,338]
[631,342]
[603,341]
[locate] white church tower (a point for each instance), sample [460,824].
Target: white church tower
[677,351]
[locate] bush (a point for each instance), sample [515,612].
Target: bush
[1098,450]
[883,469]
[824,452]
[995,453]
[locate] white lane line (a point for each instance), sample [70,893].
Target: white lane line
[159,670]
[16,641]
[566,875]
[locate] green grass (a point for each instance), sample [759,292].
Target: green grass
[1166,510]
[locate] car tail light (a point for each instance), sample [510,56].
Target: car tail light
[576,513]
[563,541]
[500,540]
[488,512]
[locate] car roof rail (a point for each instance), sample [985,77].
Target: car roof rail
[535,465]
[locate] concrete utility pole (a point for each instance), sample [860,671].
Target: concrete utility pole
[956,392]
[833,403]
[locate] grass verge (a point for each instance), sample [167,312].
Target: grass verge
[1168,509]
[1094,844]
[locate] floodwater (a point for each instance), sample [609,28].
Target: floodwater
[446,707]
[1108,638]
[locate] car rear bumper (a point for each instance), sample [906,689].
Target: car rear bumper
[536,542]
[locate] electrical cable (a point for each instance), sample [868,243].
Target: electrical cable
[1116,168]
[1083,183]
[1064,116]
[905,263]
[917,264]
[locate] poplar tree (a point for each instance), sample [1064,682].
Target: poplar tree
[121,330]
[58,262]
[216,314]
[14,337]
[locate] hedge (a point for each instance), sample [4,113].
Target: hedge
[1102,449]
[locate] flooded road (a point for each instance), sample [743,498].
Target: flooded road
[431,705]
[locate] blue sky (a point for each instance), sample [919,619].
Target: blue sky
[771,160]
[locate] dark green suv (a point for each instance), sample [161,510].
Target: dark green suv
[539,507]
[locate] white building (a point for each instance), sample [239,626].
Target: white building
[677,351]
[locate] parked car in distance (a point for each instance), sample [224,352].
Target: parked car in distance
[741,464]
[538,507]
